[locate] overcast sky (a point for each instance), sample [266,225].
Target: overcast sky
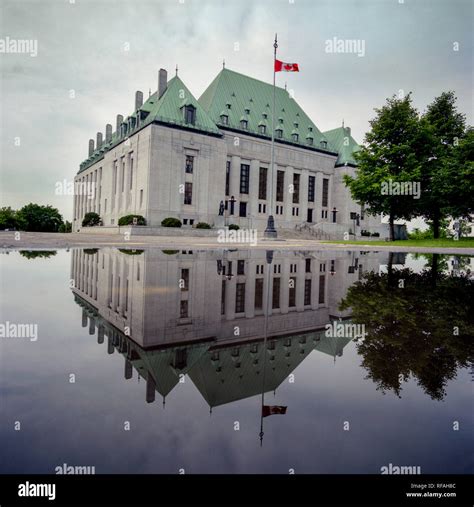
[94,54]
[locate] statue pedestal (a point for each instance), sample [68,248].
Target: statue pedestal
[220,221]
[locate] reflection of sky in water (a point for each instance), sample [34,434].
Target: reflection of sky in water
[82,423]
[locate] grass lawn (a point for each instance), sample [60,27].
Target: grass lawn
[436,243]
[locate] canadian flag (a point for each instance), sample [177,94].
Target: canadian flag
[272,410]
[286,67]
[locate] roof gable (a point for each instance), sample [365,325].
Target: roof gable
[245,98]
[342,141]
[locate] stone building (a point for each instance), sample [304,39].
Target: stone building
[178,156]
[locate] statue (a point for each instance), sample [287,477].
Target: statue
[221,208]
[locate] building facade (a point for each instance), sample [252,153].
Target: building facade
[208,160]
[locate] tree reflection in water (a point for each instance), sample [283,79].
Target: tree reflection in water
[418,325]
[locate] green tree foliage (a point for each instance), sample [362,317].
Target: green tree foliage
[38,218]
[394,150]
[421,327]
[171,222]
[38,254]
[128,220]
[9,219]
[447,179]
[91,219]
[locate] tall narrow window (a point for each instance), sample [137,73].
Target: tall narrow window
[183,309]
[276,293]
[258,293]
[227,177]
[131,173]
[280,185]
[296,188]
[241,267]
[240,298]
[322,283]
[307,265]
[292,292]
[189,165]
[123,174]
[244,178]
[188,193]
[223,298]
[262,183]
[311,187]
[325,192]
[141,197]
[184,279]
[307,292]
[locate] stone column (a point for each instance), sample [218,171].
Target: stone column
[287,196]
[252,206]
[304,179]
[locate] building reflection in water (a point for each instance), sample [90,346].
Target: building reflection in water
[210,315]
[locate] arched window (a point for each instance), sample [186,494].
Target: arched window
[190,114]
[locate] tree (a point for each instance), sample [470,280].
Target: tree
[421,328]
[91,219]
[393,150]
[39,218]
[9,219]
[447,176]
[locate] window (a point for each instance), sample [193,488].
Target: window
[262,129]
[307,292]
[311,187]
[183,309]
[223,298]
[227,177]
[296,188]
[240,298]
[309,217]
[190,114]
[322,281]
[262,183]
[295,137]
[244,124]
[322,267]
[258,293]
[131,173]
[324,145]
[325,192]
[123,174]
[184,280]
[307,266]
[244,178]
[189,166]
[241,267]
[292,292]
[278,133]
[141,198]
[276,293]
[188,193]
[185,221]
[243,209]
[224,119]
[280,185]
[309,140]
[114,183]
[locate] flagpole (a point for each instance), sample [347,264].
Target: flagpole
[270,231]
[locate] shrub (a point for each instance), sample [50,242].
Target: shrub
[171,222]
[233,227]
[91,219]
[170,252]
[375,234]
[363,232]
[128,220]
[202,225]
[65,227]
[131,252]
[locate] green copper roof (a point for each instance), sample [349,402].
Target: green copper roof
[241,92]
[168,109]
[344,144]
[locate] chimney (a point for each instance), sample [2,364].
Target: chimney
[99,140]
[119,122]
[138,100]
[108,133]
[91,147]
[162,82]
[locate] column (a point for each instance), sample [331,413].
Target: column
[287,196]
[304,179]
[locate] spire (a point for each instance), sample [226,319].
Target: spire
[149,92]
[343,123]
[285,85]
[176,70]
[223,63]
